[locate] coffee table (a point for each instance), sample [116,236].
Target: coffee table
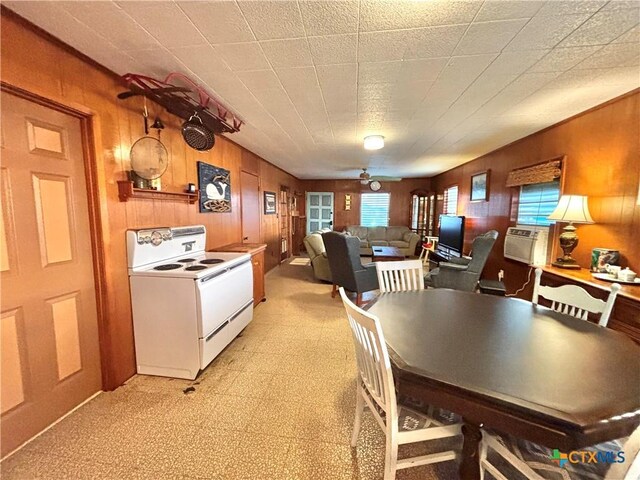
[386,254]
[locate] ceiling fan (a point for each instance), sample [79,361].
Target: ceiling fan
[366,178]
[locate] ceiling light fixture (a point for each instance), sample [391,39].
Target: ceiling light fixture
[373,142]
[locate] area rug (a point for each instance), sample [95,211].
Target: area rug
[300,261]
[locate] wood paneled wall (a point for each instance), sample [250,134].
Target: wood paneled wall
[602,148]
[35,63]
[400,202]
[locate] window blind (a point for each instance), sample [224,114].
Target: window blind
[536,203]
[374,209]
[450,206]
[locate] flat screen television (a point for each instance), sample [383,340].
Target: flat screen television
[451,234]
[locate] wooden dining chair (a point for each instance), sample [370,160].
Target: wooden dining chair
[376,392]
[401,276]
[575,301]
[536,462]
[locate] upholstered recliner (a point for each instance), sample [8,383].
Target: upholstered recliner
[314,245]
[463,273]
[347,270]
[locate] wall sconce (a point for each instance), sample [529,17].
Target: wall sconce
[347,201]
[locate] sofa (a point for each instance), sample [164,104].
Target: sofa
[400,237]
[314,245]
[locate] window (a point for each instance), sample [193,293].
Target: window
[536,203]
[374,209]
[450,206]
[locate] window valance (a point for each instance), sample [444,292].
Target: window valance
[540,173]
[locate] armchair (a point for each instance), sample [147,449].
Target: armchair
[347,270]
[315,248]
[463,273]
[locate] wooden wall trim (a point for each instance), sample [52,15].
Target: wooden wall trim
[95,220]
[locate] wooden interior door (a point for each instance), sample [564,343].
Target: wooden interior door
[50,350]
[250,197]
[285,223]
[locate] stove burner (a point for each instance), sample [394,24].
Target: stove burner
[187,260]
[195,267]
[211,261]
[168,266]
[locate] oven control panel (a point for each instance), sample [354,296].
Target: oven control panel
[154,237]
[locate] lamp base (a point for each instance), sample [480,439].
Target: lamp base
[566,263]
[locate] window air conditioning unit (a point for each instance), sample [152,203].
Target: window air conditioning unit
[527,244]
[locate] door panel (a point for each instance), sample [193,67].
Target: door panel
[50,351]
[250,193]
[319,211]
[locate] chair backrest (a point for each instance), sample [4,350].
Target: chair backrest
[372,357]
[314,245]
[403,276]
[343,253]
[575,301]
[480,250]
[630,468]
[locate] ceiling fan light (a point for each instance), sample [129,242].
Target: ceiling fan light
[373,142]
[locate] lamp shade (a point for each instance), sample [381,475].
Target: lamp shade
[573,209]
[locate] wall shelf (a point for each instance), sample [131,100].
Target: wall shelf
[126,190]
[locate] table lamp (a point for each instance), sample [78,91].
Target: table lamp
[571,209]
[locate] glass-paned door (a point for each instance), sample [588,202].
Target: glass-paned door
[319,211]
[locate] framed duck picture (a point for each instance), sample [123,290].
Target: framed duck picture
[214,184]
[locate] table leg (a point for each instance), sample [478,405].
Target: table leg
[470,465]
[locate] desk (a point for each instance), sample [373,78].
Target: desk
[513,366]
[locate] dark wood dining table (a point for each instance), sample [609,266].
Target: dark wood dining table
[516,367]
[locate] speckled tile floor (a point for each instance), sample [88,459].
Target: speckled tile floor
[278,403]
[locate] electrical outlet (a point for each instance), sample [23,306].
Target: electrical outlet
[501,275]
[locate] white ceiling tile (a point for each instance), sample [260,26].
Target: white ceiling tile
[378,15]
[508,9]
[273,19]
[613,55]
[546,32]
[332,49]
[434,42]
[109,21]
[200,58]
[298,78]
[157,62]
[515,62]
[568,7]
[243,56]
[384,46]
[562,59]
[378,72]
[602,28]
[422,70]
[165,21]
[287,53]
[337,76]
[259,80]
[632,36]
[329,17]
[489,37]
[376,91]
[219,22]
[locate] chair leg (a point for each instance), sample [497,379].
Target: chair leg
[391,455]
[334,290]
[359,299]
[358,420]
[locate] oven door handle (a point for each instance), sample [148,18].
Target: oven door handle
[216,331]
[239,312]
[213,275]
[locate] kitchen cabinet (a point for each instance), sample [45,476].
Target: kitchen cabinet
[256,250]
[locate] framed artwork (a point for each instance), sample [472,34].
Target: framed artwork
[480,187]
[215,189]
[269,203]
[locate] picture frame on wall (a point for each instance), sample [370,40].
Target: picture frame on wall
[480,187]
[270,203]
[214,184]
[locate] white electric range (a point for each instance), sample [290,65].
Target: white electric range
[188,304]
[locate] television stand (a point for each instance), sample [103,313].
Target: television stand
[443,255]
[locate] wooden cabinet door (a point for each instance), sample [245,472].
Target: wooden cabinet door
[258,277]
[50,349]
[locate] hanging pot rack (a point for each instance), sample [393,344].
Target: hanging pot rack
[183,101]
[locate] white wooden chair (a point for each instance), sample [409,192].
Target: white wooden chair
[575,301]
[376,391]
[535,462]
[401,276]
